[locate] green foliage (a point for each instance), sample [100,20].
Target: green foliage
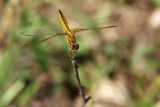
[156,2]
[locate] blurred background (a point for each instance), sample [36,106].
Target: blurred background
[119,67]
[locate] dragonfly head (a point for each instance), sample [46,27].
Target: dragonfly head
[74,47]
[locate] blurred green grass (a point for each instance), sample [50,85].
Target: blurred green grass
[20,69]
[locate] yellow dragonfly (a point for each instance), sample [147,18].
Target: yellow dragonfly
[70,33]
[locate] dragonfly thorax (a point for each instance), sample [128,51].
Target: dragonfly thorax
[71,33]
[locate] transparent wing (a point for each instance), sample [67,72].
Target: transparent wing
[41,32]
[38,42]
[97,24]
[84,29]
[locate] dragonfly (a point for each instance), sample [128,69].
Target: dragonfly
[70,33]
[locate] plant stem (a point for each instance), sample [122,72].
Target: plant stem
[81,89]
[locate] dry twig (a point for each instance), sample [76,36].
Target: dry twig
[81,89]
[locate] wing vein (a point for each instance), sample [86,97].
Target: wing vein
[38,42]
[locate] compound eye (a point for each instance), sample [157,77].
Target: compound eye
[72,47]
[76,46]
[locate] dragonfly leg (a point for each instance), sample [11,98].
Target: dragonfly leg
[70,52]
[74,52]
